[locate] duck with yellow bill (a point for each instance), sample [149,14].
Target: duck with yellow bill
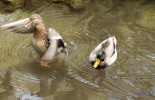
[104,54]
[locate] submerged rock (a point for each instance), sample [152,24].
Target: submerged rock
[14,2]
[12,5]
[76,4]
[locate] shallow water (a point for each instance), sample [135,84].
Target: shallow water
[131,77]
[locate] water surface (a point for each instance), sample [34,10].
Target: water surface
[131,77]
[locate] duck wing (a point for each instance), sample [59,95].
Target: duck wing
[108,46]
[60,42]
[56,43]
[19,26]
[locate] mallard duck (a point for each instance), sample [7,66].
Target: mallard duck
[104,54]
[46,44]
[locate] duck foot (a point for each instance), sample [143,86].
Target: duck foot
[44,63]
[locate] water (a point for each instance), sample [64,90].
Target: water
[131,77]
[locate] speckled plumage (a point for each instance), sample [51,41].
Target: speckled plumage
[46,43]
[40,41]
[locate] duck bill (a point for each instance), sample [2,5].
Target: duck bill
[97,62]
[28,24]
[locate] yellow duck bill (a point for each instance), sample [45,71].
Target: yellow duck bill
[97,62]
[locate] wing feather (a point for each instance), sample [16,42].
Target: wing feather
[19,26]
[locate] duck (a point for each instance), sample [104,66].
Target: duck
[48,44]
[104,54]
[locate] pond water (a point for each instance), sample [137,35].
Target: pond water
[131,77]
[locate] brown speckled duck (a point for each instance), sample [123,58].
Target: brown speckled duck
[47,44]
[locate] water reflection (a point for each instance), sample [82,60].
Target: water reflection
[29,78]
[73,78]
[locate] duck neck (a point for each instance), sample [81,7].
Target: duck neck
[40,32]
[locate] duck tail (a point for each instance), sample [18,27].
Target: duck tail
[65,51]
[62,47]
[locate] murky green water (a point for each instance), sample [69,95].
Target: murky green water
[131,77]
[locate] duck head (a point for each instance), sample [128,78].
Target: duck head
[34,20]
[100,57]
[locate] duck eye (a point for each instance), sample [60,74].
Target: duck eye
[33,18]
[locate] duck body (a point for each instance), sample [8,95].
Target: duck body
[105,54]
[48,44]
[40,40]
